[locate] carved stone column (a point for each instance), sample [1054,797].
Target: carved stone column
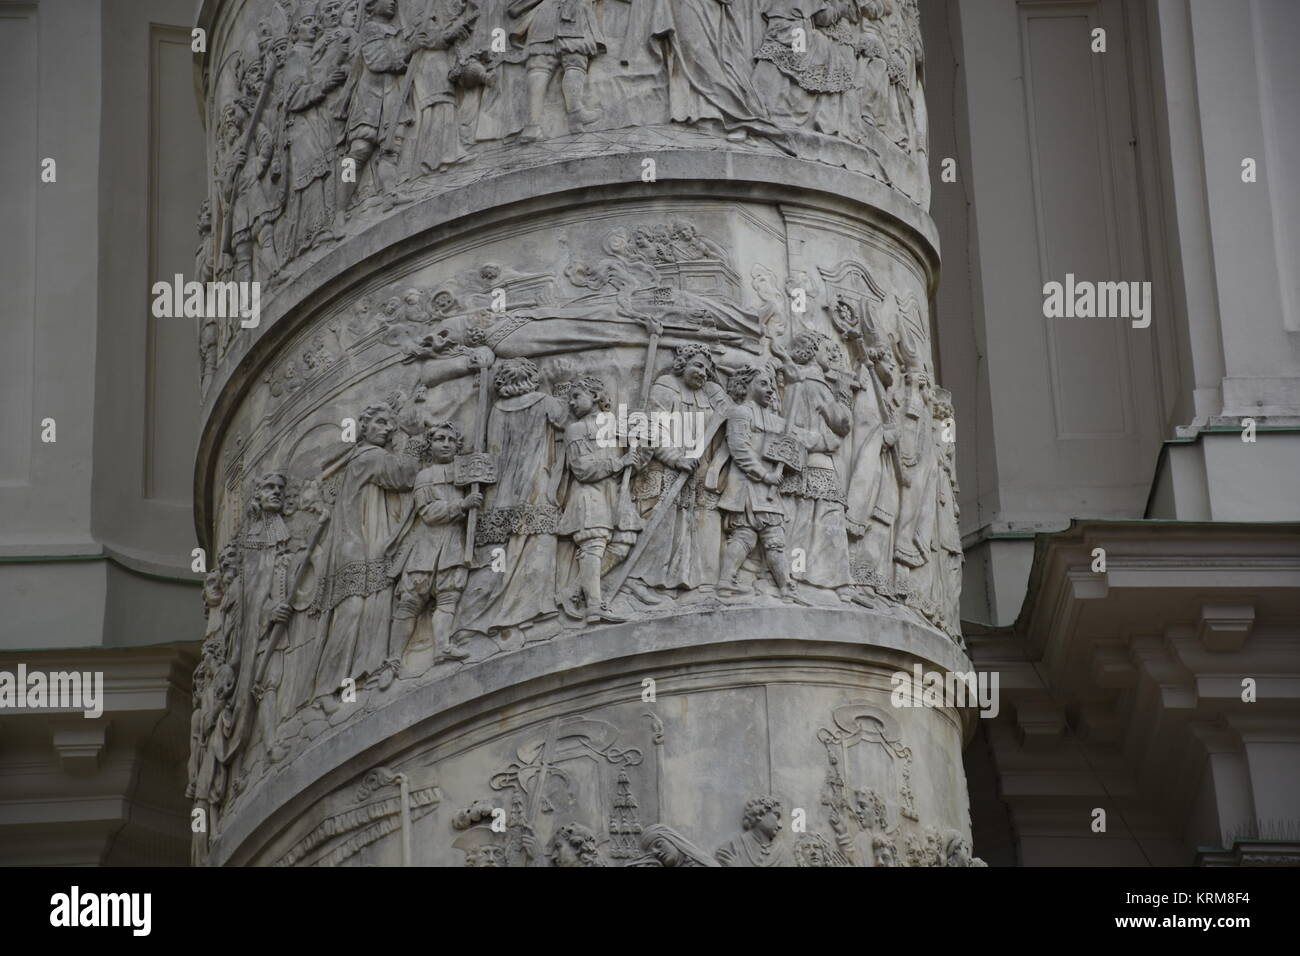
[457,620]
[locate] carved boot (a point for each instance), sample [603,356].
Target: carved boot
[537,82]
[589,578]
[642,592]
[780,565]
[341,200]
[442,621]
[860,595]
[573,85]
[732,557]
[601,613]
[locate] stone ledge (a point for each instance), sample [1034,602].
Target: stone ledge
[749,635]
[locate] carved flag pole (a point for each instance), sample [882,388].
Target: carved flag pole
[262,96]
[647,378]
[476,469]
[667,502]
[882,398]
[535,798]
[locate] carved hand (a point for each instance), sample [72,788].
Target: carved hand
[472,500]
[280,614]
[637,458]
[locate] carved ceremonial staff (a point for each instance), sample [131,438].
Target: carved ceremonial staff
[263,95]
[647,379]
[276,632]
[477,468]
[886,415]
[535,798]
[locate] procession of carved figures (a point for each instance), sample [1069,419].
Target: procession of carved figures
[409,91]
[479,510]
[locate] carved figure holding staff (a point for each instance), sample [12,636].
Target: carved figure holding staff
[753,510]
[513,576]
[427,554]
[685,553]
[599,516]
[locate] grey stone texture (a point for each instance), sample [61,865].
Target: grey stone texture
[467,610]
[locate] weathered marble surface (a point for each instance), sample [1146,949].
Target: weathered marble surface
[789,703]
[408,472]
[325,116]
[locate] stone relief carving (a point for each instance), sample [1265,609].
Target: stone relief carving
[385,802]
[577,797]
[492,498]
[327,114]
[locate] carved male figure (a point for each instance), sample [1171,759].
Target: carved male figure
[706,51]
[946,549]
[266,566]
[573,845]
[308,80]
[254,181]
[873,61]
[376,107]
[601,523]
[212,724]
[686,549]
[339,46]
[513,575]
[758,843]
[753,510]
[427,554]
[873,470]
[815,496]
[560,36]
[437,140]
[918,497]
[358,599]
[885,854]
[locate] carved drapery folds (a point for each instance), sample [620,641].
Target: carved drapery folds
[325,114]
[629,433]
[598,417]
